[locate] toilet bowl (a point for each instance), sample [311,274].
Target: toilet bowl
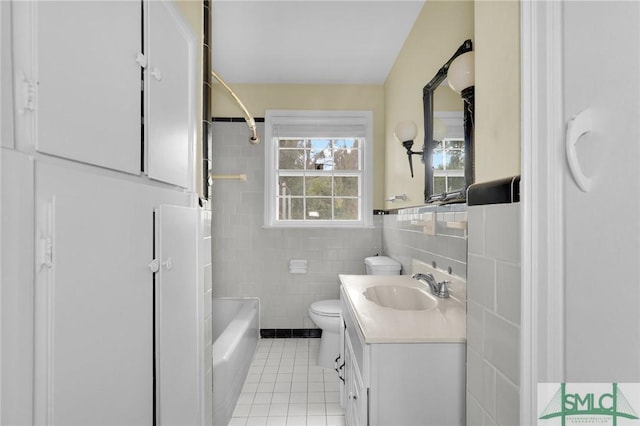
[327,314]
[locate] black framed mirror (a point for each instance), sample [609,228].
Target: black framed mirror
[448,151]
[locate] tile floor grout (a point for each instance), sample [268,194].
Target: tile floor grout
[285,387]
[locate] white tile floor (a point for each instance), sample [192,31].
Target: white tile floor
[285,387]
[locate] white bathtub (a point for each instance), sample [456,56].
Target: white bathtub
[235,336]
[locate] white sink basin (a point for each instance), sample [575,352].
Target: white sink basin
[400,297]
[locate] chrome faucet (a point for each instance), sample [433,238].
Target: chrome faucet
[439,289]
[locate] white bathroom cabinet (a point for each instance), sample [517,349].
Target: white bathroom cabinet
[94,301]
[107,83]
[169,89]
[103,300]
[178,316]
[387,384]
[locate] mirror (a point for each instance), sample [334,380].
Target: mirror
[448,152]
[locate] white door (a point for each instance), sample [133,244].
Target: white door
[94,300]
[168,107]
[87,82]
[602,224]
[178,318]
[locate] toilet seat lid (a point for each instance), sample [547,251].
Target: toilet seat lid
[327,308]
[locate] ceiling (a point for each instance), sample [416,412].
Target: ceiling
[309,41]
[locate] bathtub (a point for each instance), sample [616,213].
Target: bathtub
[235,337]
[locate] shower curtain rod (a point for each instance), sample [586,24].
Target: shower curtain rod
[254,139]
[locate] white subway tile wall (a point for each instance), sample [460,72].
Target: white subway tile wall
[249,260]
[411,234]
[493,315]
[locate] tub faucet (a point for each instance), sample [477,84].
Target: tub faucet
[439,289]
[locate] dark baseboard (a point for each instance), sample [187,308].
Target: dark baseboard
[289,333]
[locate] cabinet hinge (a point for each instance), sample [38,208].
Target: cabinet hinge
[46,253]
[29,94]
[154,266]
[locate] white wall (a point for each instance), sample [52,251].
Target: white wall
[17,290]
[16,266]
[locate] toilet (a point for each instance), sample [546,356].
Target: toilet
[326,314]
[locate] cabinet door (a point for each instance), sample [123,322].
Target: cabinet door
[349,412]
[360,400]
[178,318]
[88,83]
[355,406]
[169,98]
[94,301]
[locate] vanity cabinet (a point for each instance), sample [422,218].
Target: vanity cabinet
[356,394]
[400,383]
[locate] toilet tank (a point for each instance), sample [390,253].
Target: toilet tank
[382,265]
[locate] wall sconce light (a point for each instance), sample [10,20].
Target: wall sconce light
[405,132]
[462,79]
[461,72]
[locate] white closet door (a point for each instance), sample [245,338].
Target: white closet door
[94,300]
[88,81]
[178,318]
[168,110]
[602,65]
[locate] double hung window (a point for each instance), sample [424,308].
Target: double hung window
[448,165]
[318,168]
[448,153]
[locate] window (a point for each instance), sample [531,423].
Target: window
[448,165]
[318,168]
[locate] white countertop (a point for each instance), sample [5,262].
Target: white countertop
[444,323]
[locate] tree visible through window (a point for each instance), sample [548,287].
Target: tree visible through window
[319,179]
[318,168]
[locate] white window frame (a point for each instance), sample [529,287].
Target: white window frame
[313,119]
[454,122]
[447,173]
